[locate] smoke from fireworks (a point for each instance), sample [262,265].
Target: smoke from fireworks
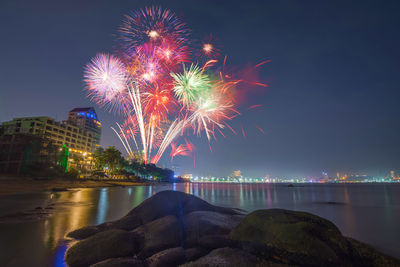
[161,92]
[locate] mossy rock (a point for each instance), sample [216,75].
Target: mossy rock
[300,233]
[364,255]
[228,257]
[108,244]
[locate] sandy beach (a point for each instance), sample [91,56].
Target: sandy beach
[10,185]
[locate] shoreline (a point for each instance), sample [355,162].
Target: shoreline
[16,185]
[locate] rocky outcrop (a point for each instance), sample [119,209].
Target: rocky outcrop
[305,234]
[174,228]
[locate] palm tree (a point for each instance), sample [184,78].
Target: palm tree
[112,157]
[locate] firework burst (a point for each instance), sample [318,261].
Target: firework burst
[190,85]
[106,80]
[151,24]
[161,91]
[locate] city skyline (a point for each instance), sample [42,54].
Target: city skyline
[330,104]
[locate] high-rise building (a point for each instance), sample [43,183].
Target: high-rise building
[80,133]
[86,118]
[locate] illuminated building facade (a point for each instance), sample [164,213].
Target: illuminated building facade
[237,174]
[86,118]
[80,133]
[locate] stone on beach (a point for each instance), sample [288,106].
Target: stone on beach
[101,246]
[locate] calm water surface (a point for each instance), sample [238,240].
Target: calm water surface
[367,212]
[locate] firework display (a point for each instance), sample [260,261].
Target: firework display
[162,88]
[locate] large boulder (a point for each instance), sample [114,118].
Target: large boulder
[160,205]
[174,203]
[119,262]
[197,224]
[312,239]
[159,235]
[166,258]
[108,244]
[222,257]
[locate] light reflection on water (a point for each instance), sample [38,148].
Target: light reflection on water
[368,212]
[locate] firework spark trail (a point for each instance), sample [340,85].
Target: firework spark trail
[135,98]
[130,152]
[259,128]
[122,141]
[173,131]
[254,106]
[182,150]
[160,91]
[133,137]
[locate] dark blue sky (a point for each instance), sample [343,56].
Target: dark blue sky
[334,78]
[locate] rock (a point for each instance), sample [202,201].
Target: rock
[174,203]
[314,240]
[364,255]
[160,205]
[119,262]
[200,223]
[159,235]
[84,232]
[192,254]
[226,257]
[168,257]
[216,241]
[108,244]
[126,223]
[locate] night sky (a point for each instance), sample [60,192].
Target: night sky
[332,101]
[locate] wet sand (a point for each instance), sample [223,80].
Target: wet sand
[11,185]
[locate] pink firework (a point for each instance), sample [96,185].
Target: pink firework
[106,80]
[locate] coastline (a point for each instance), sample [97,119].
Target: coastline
[13,185]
